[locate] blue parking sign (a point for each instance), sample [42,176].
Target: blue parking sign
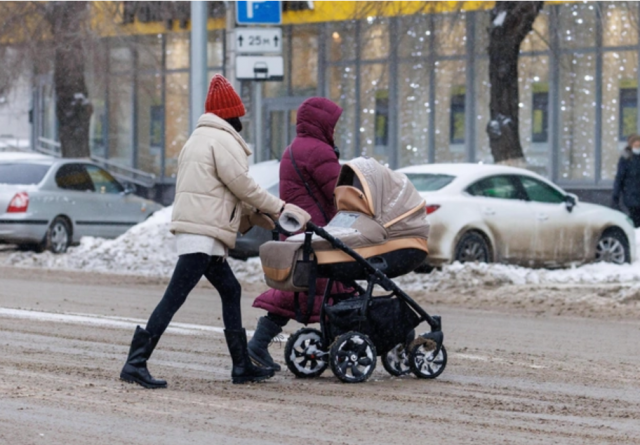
[259,13]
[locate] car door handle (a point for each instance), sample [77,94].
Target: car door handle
[542,217]
[489,211]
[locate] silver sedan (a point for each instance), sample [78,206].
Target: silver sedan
[50,203]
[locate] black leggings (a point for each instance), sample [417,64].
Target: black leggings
[188,271]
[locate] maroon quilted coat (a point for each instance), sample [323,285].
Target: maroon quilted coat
[313,152]
[318,163]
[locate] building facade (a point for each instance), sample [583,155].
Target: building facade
[413,83]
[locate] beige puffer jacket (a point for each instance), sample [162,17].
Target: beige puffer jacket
[213,182]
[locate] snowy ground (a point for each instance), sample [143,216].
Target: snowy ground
[148,249]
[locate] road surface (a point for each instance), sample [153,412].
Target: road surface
[516,375]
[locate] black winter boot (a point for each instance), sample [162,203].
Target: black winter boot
[243,370]
[135,369]
[259,343]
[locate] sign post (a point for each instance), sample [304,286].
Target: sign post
[257,51]
[259,12]
[198,64]
[258,40]
[259,68]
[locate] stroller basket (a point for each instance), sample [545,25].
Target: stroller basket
[387,321]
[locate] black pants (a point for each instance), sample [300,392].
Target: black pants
[278,319]
[188,271]
[634,214]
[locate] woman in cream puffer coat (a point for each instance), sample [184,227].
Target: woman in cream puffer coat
[213,190]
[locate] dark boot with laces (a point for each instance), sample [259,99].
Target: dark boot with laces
[135,369]
[244,371]
[266,332]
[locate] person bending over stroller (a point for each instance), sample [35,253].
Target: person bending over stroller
[309,171]
[211,187]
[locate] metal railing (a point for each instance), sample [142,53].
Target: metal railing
[11,143]
[129,174]
[48,147]
[119,171]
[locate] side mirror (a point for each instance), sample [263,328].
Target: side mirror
[129,189]
[571,201]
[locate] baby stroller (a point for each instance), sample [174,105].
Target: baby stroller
[380,232]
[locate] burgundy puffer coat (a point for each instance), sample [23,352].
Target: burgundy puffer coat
[313,152]
[318,163]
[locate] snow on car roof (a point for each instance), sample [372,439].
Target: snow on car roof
[7,156]
[463,169]
[467,170]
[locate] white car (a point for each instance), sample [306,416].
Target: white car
[491,213]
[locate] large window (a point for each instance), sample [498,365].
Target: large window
[96,78]
[619,106]
[619,23]
[374,115]
[413,110]
[150,123]
[121,106]
[342,81]
[577,117]
[176,119]
[450,111]
[414,106]
[304,61]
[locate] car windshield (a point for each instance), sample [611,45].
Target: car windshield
[15,173]
[429,182]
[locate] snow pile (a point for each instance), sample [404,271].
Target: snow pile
[147,249]
[470,275]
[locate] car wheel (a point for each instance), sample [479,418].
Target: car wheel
[613,247]
[58,236]
[471,248]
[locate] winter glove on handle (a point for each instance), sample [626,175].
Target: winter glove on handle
[294,219]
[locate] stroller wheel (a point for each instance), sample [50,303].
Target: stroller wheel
[396,362]
[423,361]
[353,357]
[305,355]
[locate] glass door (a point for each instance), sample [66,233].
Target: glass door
[280,125]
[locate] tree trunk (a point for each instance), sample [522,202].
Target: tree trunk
[73,109]
[510,24]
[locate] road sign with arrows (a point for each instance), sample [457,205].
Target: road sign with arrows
[258,40]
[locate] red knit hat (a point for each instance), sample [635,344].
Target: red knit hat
[222,99]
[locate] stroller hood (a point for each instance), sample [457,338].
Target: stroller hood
[388,197]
